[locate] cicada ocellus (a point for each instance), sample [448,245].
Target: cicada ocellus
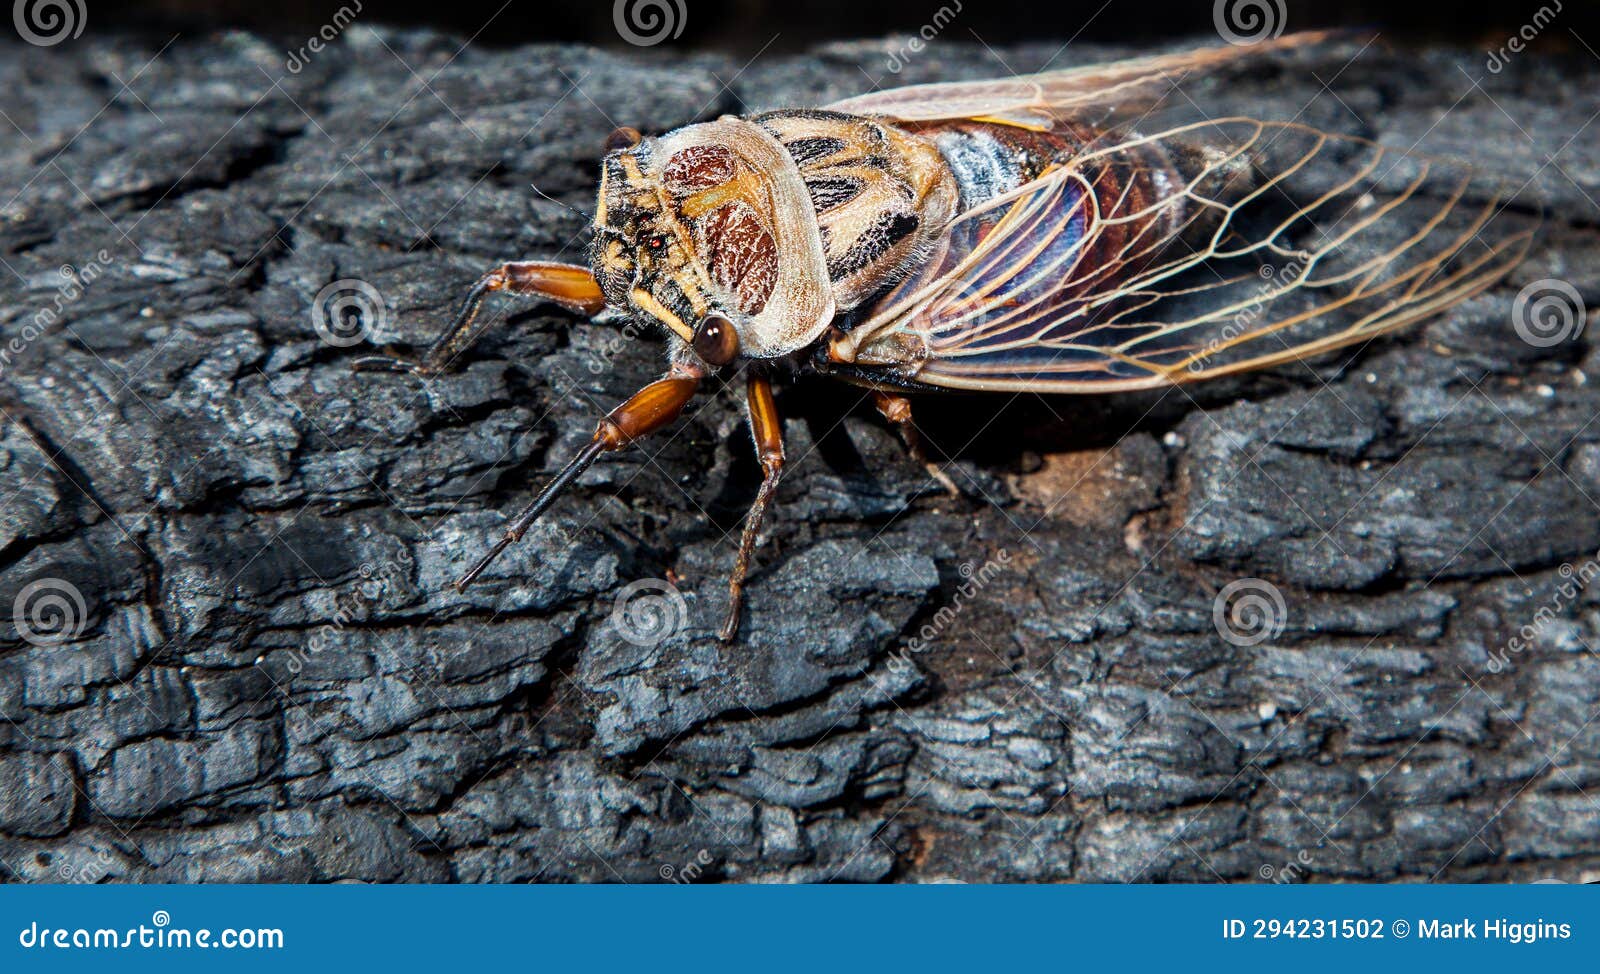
[1077,231]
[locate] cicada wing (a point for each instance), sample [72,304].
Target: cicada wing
[1210,248]
[1100,93]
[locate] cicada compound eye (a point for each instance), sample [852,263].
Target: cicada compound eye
[625,137]
[715,340]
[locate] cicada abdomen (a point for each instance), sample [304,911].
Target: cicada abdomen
[1127,200]
[1091,260]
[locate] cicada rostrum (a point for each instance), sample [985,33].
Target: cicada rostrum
[1078,231]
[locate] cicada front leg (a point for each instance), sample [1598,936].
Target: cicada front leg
[897,410]
[568,285]
[767,431]
[649,409]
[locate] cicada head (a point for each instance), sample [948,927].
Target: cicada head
[710,231]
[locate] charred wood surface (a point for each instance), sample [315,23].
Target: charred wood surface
[270,678]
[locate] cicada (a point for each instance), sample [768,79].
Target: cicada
[1076,231]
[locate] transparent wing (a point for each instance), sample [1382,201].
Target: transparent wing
[1100,93]
[1202,250]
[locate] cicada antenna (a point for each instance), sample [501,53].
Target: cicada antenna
[587,218]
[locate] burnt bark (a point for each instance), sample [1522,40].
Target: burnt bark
[269,677]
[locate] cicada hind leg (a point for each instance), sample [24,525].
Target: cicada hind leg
[897,410]
[567,285]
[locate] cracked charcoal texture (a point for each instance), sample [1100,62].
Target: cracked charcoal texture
[275,681]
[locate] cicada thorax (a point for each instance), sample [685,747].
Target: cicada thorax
[880,194]
[779,221]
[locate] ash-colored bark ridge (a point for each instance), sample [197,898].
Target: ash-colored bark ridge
[275,681]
